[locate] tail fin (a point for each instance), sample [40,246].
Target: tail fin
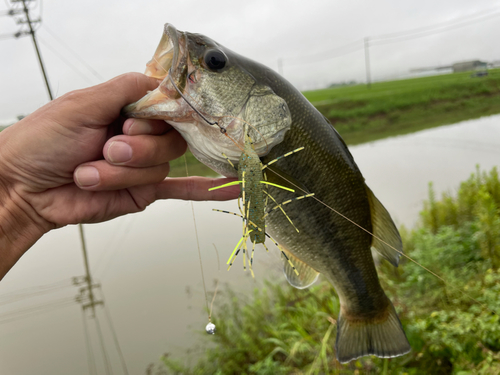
[383,339]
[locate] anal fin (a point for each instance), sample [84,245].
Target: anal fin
[306,274]
[384,228]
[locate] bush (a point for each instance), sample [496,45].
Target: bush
[451,320]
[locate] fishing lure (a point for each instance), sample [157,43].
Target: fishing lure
[255,197]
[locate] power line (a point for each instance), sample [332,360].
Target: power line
[105,263]
[35,310]
[115,337]
[67,62]
[36,313]
[433,32]
[109,370]
[395,37]
[339,51]
[10,12]
[80,59]
[32,294]
[88,344]
[437,25]
[7,36]
[37,307]
[33,288]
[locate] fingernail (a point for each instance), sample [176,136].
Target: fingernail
[140,127]
[119,152]
[87,176]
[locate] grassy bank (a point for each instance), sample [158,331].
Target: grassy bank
[283,330]
[361,114]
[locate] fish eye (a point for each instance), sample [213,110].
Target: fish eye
[215,60]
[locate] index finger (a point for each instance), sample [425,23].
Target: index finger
[196,189]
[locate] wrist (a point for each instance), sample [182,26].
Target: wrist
[20,228]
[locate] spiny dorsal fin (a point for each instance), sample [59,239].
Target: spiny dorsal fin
[306,277]
[384,228]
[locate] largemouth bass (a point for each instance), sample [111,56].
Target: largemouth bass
[209,94]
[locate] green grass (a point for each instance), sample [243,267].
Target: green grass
[361,114]
[195,168]
[283,330]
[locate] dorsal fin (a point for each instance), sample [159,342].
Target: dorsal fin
[384,228]
[306,275]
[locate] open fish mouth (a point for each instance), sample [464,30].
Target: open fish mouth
[166,53]
[208,95]
[169,64]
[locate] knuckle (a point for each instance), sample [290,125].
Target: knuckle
[131,78]
[190,188]
[71,97]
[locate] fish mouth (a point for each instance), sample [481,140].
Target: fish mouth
[166,53]
[169,64]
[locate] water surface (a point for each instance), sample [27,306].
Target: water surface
[149,269]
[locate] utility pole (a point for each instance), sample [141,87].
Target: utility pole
[32,32]
[86,296]
[367,62]
[87,291]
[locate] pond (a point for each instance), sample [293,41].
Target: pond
[149,268]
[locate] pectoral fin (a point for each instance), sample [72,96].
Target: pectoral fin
[384,228]
[306,275]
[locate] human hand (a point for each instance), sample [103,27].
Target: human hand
[52,171]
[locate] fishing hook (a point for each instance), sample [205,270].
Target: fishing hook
[222,129]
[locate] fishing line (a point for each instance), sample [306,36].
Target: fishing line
[169,75]
[385,243]
[210,328]
[198,245]
[88,343]
[216,285]
[224,131]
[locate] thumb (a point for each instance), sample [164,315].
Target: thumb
[101,104]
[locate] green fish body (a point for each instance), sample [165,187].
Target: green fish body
[229,91]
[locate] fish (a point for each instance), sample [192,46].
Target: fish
[210,94]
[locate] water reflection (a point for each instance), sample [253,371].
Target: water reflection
[399,169]
[148,263]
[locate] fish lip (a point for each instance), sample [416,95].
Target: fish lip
[166,54]
[166,62]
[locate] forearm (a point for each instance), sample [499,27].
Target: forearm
[20,228]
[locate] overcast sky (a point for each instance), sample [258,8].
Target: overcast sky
[117,36]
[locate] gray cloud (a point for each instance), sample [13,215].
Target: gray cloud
[119,36]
